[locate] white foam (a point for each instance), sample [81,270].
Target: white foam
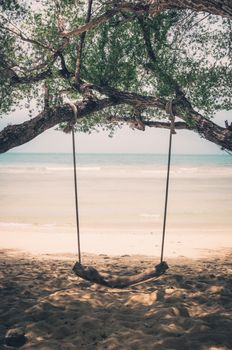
[14,225]
[188,170]
[43,169]
[95,168]
[59,168]
[23,170]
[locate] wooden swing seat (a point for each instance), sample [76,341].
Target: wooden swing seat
[91,274]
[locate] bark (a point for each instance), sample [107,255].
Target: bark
[131,98]
[15,135]
[221,8]
[216,7]
[149,123]
[92,24]
[211,131]
[89,273]
[182,109]
[206,128]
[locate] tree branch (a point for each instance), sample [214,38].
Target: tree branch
[53,55]
[15,79]
[23,37]
[64,70]
[182,108]
[216,7]
[16,135]
[149,123]
[131,98]
[27,79]
[147,40]
[221,8]
[52,52]
[81,45]
[90,25]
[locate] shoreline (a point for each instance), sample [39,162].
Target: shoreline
[184,244]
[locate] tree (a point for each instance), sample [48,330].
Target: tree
[116,62]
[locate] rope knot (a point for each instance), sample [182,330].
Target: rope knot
[70,125]
[169,111]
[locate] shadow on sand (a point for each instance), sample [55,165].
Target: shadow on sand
[189,308]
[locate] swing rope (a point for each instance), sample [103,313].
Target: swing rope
[76,195]
[77,78]
[172,132]
[89,273]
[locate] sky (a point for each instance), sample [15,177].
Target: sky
[125,140]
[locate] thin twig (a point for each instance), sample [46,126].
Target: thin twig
[18,32]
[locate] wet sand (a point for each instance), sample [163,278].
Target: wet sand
[190,307]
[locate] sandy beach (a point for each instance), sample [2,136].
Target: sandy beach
[45,306]
[190,307]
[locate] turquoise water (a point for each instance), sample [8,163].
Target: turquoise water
[65,159]
[116,192]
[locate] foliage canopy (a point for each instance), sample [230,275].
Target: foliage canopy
[168,55]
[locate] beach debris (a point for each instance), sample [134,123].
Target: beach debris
[15,337]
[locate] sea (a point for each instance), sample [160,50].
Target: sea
[121,193]
[105,159]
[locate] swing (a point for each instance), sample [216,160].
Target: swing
[90,273]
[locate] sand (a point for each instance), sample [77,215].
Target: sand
[190,307]
[178,242]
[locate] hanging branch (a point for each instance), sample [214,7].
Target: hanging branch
[90,25]
[132,123]
[18,33]
[81,45]
[46,97]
